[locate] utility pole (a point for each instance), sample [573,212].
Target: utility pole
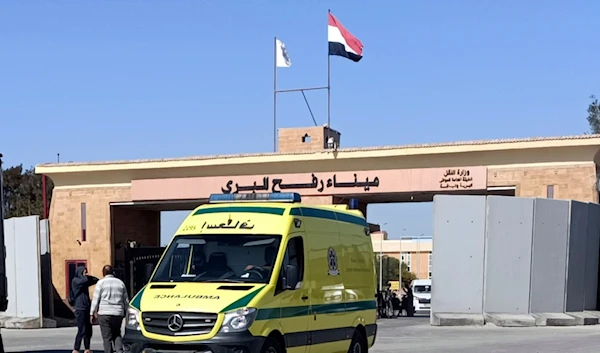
[3,282]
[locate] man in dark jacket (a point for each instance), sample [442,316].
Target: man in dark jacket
[407,301]
[81,303]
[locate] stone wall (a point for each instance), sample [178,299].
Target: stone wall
[305,139]
[65,224]
[572,182]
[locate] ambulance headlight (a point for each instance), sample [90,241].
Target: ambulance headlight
[132,319]
[238,320]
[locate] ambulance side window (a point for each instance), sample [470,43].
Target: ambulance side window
[294,255]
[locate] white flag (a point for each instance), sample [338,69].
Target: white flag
[282,58]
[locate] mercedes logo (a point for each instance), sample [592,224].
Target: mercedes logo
[175,322]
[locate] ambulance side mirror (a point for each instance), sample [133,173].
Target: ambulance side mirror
[291,277]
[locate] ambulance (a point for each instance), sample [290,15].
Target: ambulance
[260,273]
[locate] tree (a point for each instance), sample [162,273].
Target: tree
[594,115]
[391,267]
[23,192]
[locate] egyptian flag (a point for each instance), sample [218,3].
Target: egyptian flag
[342,42]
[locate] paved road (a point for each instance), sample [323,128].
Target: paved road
[395,335]
[416,335]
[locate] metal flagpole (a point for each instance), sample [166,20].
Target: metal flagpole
[275,95]
[419,256]
[328,84]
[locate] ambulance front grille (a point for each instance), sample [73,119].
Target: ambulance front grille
[189,324]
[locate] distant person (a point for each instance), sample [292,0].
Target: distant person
[110,306]
[408,301]
[79,299]
[396,304]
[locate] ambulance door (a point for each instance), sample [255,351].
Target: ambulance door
[295,303]
[327,324]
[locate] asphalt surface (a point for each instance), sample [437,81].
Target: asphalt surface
[395,335]
[416,335]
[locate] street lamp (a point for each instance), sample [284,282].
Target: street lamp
[3,284]
[419,254]
[400,262]
[403,237]
[381,258]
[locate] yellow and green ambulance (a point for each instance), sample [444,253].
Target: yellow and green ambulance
[260,273]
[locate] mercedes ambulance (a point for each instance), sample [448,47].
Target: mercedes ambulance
[260,273]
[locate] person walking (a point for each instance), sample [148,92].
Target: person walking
[79,299]
[109,306]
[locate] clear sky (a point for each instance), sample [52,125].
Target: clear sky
[104,80]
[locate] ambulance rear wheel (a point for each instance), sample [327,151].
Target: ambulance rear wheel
[271,346]
[359,343]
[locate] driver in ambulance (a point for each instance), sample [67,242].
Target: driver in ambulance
[262,271]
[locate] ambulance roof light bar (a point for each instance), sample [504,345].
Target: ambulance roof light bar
[290,197]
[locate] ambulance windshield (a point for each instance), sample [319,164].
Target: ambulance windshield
[219,258]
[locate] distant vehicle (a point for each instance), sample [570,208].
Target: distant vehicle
[422,295]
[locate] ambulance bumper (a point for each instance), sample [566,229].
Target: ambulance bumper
[243,342]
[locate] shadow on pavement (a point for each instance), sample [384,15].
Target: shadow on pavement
[48,351]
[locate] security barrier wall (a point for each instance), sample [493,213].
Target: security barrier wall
[457,259]
[23,267]
[27,271]
[508,254]
[549,256]
[514,261]
[577,239]
[591,257]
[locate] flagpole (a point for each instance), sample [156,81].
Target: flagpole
[275,95]
[328,84]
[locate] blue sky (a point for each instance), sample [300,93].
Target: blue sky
[104,80]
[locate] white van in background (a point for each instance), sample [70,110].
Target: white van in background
[421,289]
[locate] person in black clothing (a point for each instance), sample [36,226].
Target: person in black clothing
[396,305]
[407,301]
[80,301]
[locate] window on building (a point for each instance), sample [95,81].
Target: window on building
[70,270]
[83,222]
[406,258]
[550,191]
[294,255]
[429,267]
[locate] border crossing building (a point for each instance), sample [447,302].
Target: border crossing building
[99,207]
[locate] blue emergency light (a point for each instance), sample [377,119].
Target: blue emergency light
[291,197]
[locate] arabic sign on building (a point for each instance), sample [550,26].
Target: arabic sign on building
[278,185]
[456,179]
[313,184]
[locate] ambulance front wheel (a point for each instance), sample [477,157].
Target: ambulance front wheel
[271,346]
[359,343]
